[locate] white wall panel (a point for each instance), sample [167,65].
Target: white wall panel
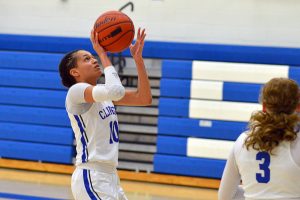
[237,72]
[221,110]
[206,89]
[249,22]
[207,148]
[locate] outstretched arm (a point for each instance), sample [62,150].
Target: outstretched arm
[142,95]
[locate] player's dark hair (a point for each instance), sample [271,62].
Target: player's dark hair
[68,62]
[279,122]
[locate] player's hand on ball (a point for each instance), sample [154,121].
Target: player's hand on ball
[136,49]
[95,42]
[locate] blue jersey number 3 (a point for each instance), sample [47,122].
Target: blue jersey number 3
[265,176]
[114,132]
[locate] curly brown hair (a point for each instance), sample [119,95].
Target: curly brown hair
[280,97]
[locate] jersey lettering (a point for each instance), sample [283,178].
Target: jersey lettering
[114,132]
[107,111]
[265,176]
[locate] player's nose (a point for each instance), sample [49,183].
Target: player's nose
[95,61]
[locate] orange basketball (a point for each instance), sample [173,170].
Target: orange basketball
[115,31]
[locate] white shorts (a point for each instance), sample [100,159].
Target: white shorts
[89,183]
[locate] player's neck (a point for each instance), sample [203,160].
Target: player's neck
[91,82]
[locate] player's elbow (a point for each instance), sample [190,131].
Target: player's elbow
[146,100]
[116,92]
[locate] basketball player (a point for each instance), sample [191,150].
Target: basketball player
[266,158]
[91,110]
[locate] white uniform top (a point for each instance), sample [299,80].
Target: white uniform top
[96,133]
[263,176]
[95,125]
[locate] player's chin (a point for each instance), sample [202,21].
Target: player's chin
[98,72]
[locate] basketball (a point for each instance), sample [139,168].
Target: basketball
[115,31]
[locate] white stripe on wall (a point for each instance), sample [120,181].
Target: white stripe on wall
[207,148]
[206,89]
[222,110]
[237,72]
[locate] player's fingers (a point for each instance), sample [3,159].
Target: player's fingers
[143,32]
[96,38]
[92,36]
[139,33]
[142,44]
[143,38]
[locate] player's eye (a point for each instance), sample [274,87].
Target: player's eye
[87,58]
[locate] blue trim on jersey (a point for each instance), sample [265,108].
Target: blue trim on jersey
[90,181]
[84,133]
[87,185]
[82,139]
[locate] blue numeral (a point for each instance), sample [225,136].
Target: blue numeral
[114,132]
[265,177]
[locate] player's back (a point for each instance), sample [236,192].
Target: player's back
[267,176]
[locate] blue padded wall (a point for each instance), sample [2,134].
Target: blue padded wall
[209,168]
[32,104]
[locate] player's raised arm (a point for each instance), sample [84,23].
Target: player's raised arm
[113,88]
[142,95]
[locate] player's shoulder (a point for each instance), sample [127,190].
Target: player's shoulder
[78,87]
[76,92]
[242,137]
[75,102]
[241,140]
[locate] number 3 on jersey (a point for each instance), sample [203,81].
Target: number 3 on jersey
[114,132]
[265,176]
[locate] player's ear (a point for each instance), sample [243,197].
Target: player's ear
[74,72]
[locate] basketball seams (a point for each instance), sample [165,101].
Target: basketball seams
[113,25]
[119,39]
[110,22]
[131,39]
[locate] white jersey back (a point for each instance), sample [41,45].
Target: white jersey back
[96,131]
[266,176]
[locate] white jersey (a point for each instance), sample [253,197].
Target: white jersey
[95,126]
[266,176]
